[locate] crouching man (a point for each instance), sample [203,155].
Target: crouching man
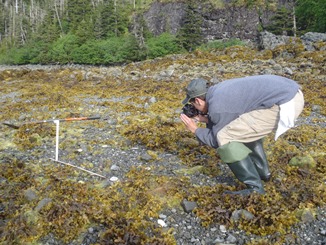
[240,112]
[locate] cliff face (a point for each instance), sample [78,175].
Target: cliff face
[165,17]
[229,22]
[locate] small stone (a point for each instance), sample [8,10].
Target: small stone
[187,235]
[257,62]
[161,223]
[114,179]
[323,232]
[146,157]
[307,216]
[152,100]
[42,203]
[3,180]
[162,216]
[30,195]
[115,167]
[241,214]
[188,206]
[267,72]
[218,240]
[223,228]
[277,67]
[288,71]
[316,108]
[231,239]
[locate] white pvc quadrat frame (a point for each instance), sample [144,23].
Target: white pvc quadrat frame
[57,123]
[56,159]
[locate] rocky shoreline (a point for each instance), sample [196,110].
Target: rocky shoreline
[108,156]
[186,225]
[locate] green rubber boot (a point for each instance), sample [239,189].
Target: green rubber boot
[246,172]
[258,157]
[236,155]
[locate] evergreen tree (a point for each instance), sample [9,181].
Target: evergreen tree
[105,19]
[190,34]
[2,22]
[162,45]
[63,49]
[76,12]
[42,40]
[281,22]
[111,19]
[311,15]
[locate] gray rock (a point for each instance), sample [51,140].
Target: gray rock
[223,229]
[257,62]
[307,216]
[152,100]
[288,71]
[146,157]
[42,204]
[316,108]
[323,232]
[162,216]
[241,214]
[30,195]
[231,239]
[277,68]
[268,72]
[310,38]
[115,167]
[188,206]
[3,180]
[215,80]
[218,240]
[314,37]
[270,41]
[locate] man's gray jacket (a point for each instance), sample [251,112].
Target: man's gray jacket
[229,99]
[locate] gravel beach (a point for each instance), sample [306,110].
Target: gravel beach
[124,155]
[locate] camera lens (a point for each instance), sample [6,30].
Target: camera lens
[190,111]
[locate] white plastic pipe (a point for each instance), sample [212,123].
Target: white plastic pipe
[71,165]
[57,122]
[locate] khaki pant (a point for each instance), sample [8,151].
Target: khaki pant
[256,124]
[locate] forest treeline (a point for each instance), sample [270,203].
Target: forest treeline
[103,32]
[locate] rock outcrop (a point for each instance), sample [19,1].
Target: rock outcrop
[217,23]
[223,23]
[309,40]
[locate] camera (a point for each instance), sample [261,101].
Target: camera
[190,111]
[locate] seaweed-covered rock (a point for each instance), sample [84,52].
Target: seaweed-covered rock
[306,161]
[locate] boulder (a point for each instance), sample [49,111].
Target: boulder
[270,41]
[311,38]
[303,162]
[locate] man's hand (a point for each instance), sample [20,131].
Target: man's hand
[189,123]
[201,118]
